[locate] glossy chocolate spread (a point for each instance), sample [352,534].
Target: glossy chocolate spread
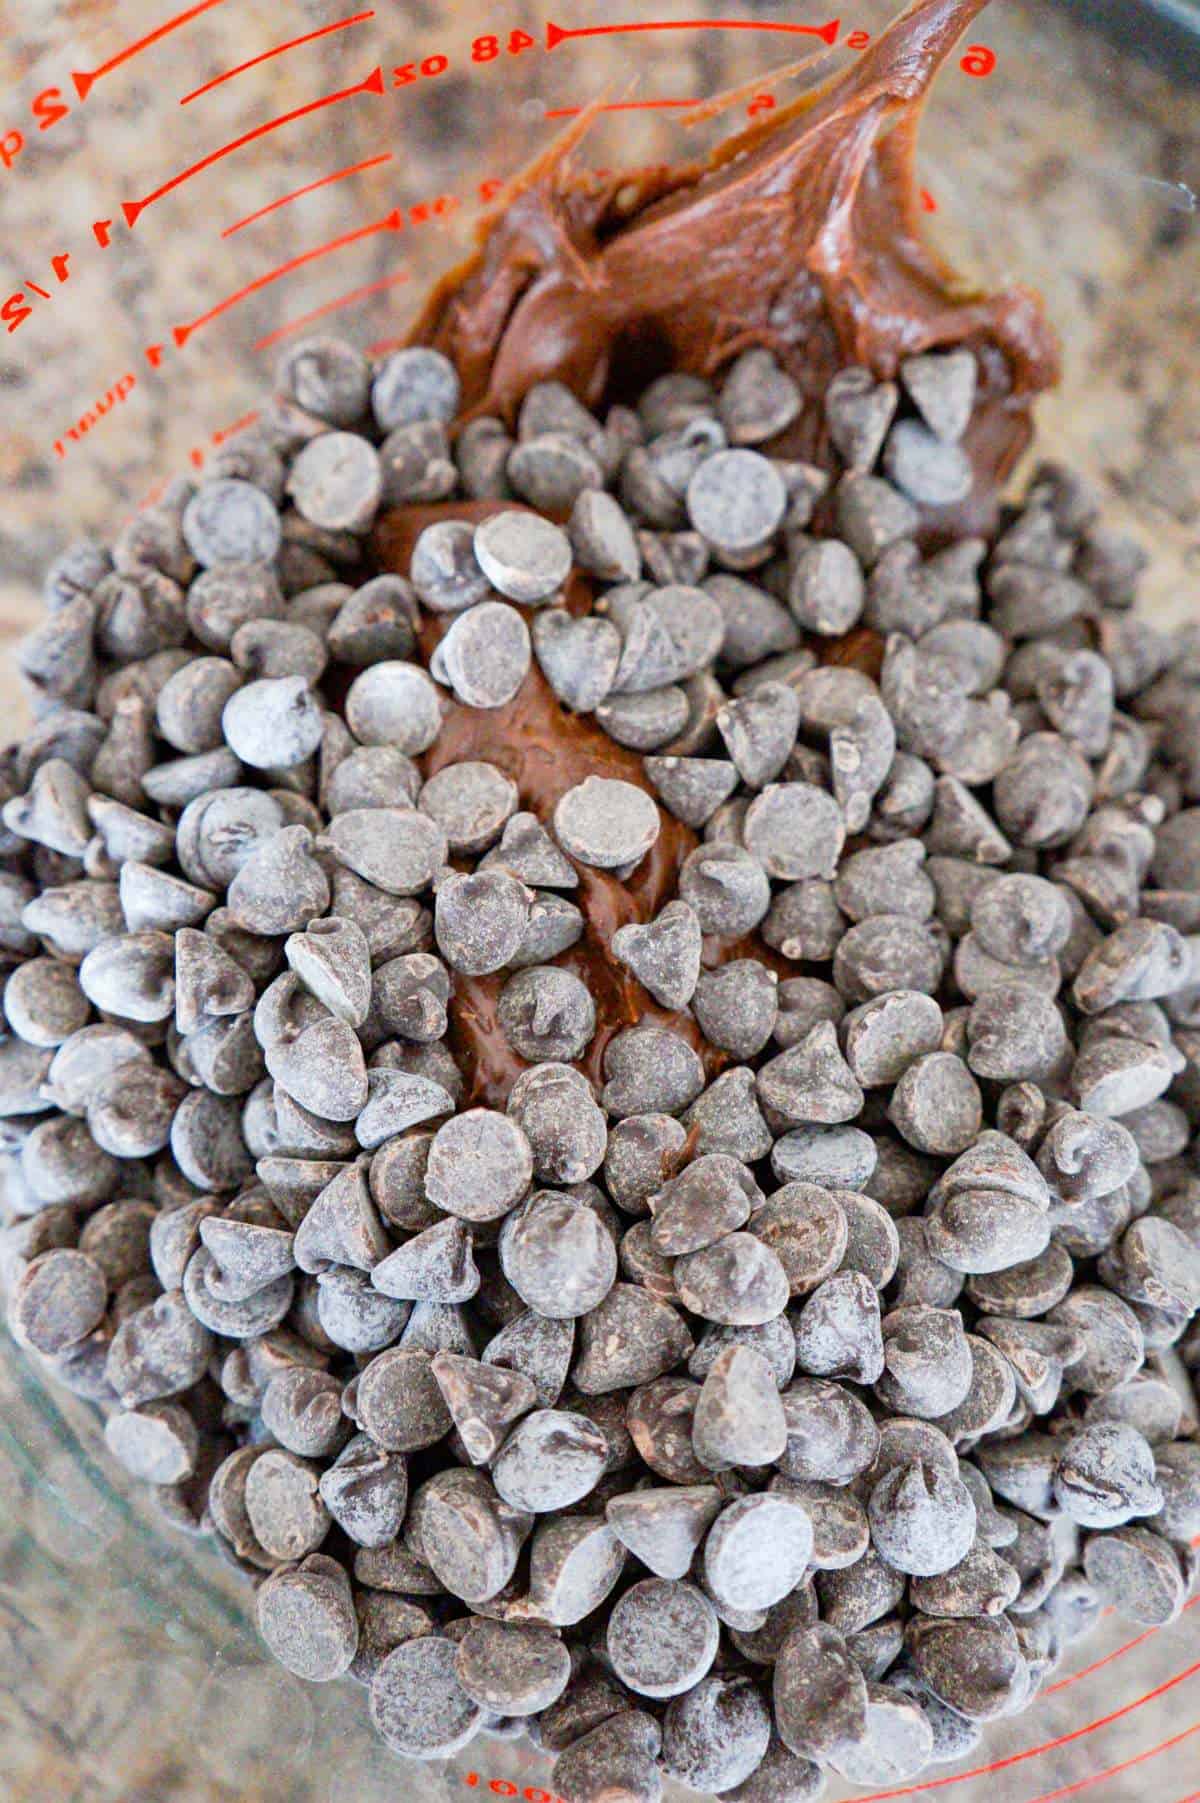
[803,235]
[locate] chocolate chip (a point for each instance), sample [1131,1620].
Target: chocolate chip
[397,849]
[550,1460]
[1105,1476]
[574,1563]
[523,556]
[650,1070]
[942,385]
[628,1339]
[606,823]
[483,1401]
[443,568]
[622,1750]
[973,1665]
[366,1491]
[838,1332]
[928,469]
[414,384]
[757,1550]
[758,399]
[831,1436]
[937,1105]
[664,954]
[230,522]
[578,657]
[738,1282]
[662,1637]
[306,1616]
[811,1082]
[58,1300]
[759,731]
[513,1669]
[664,1527]
[726,887]
[480,1165]
[536,1347]
[820,1694]
[602,537]
[547,1013]
[485,654]
[418,1705]
[1138,1572]
[825,587]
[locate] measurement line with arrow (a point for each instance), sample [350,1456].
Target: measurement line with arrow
[132,209]
[559,34]
[86,79]
[394,222]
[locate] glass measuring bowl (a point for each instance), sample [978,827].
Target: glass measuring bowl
[187,190]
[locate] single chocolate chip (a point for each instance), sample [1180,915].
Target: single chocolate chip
[820,1695]
[739,1419]
[550,1460]
[606,823]
[662,1637]
[522,555]
[306,1615]
[547,1014]
[758,1550]
[512,1668]
[484,655]
[418,1705]
[558,1255]
[838,1331]
[664,954]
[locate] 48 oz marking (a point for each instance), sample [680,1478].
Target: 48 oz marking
[484,49]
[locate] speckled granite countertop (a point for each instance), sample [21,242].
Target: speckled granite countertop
[1062,166]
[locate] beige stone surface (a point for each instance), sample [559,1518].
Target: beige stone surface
[129,1669]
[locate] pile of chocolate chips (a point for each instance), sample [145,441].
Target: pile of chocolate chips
[601,1063]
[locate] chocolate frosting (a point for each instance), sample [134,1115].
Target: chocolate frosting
[801,234]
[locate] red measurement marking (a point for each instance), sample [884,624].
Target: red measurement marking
[85,81]
[1117,1653]
[928,203]
[617,106]
[1069,1790]
[239,425]
[382,346]
[373,84]
[978,61]
[533,1793]
[292,44]
[333,306]
[1046,1746]
[324,182]
[558,34]
[393,223]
